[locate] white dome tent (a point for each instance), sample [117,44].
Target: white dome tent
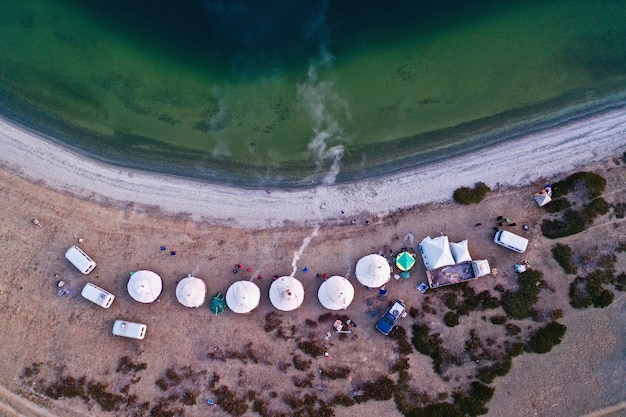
[191,292]
[336,293]
[243,296]
[144,286]
[373,271]
[286,293]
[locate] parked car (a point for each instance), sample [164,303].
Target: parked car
[80,259]
[129,329]
[391,317]
[511,241]
[97,295]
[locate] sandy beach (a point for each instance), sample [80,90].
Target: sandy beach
[123,218]
[538,156]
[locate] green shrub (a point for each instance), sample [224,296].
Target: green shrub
[451,319]
[597,207]
[398,333]
[519,304]
[573,222]
[579,297]
[381,390]
[589,290]
[620,210]
[466,195]
[498,319]
[431,345]
[546,337]
[501,368]
[562,254]
[473,403]
[557,204]
[594,183]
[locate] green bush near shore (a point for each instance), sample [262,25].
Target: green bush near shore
[594,184]
[575,221]
[562,254]
[558,204]
[546,337]
[466,195]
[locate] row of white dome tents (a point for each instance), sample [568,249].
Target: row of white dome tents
[285,293]
[146,286]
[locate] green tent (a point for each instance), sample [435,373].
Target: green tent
[218,304]
[405,261]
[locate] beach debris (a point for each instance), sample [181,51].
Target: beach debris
[163,248]
[323,206]
[210,401]
[36,222]
[81,240]
[423,287]
[525,227]
[327,355]
[305,269]
[60,283]
[65,291]
[173,253]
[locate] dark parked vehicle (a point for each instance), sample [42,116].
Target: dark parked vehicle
[391,317]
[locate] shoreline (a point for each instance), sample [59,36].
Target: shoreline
[518,162]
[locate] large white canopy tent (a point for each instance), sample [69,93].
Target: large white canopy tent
[243,296]
[336,293]
[144,286]
[191,292]
[286,293]
[436,252]
[373,271]
[460,251]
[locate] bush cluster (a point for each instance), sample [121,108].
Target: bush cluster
[585,291]
[431,345]
[562,254]
[381,389]
[546,337]
[398,333]
[451,319]
[558,204]
[466,195]
[519,304]
[574,221]
[594,183]
[311,348]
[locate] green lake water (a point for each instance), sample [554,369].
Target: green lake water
[356,94]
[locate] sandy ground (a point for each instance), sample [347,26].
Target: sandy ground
[123,230]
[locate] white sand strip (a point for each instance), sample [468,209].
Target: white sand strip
[513,163]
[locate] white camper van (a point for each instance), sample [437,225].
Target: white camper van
[511,241]
[97,295]
[80,259]
[129,329]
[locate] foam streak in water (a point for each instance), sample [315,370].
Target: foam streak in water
[322,104]
[297,254]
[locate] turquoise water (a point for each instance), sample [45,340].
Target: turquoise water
[287,95]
